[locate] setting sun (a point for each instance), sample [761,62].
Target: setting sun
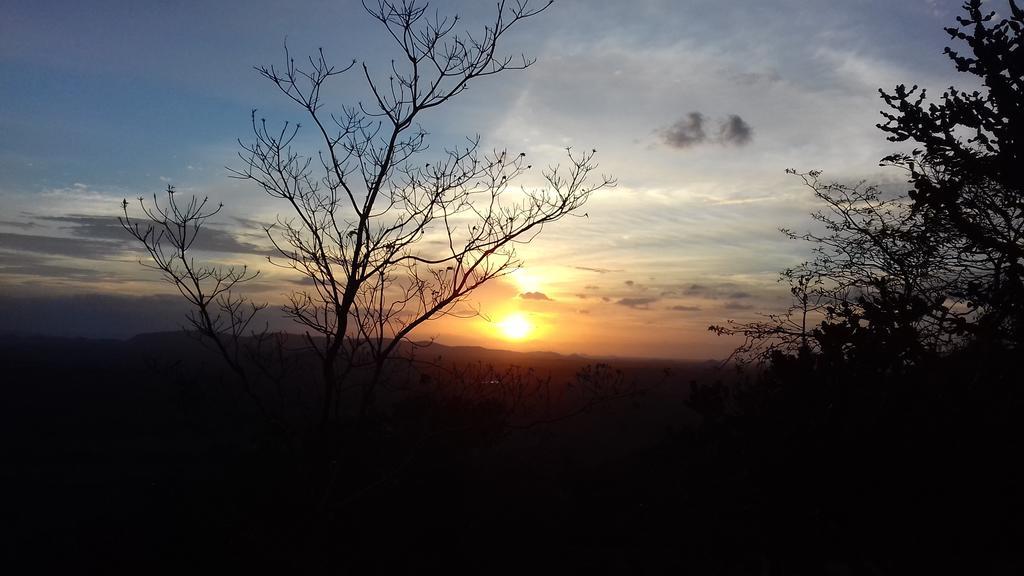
[682,285]
[515,327]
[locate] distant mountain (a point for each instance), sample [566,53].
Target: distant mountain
[424,349]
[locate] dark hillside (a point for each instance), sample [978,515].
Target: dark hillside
[144,454]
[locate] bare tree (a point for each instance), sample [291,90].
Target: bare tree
[879,270]
[218,314]
[386,237]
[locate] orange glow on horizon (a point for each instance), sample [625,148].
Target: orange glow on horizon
[515,327]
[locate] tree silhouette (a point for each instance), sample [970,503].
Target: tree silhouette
[888,400]
[929,271]
[386,237]
[882,278]
[966,175]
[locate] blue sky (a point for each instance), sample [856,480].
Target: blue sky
[104,100]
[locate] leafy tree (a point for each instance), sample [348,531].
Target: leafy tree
[882,279]
[966,174]
[889,398]
[904,277]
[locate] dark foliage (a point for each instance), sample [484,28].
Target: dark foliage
[966,174]
[879,435]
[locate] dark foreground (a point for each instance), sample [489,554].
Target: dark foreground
[142,456]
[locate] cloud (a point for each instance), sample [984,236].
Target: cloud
[534,296]
[735,131]
[725,291]
[686,132]
[250,224]
[737,306]
[695,289]
[683,308]
[636,285]
[56,246]
[690,131]
[21,225]
[211,238]
[104,227]
[597,270]
[636,302]
[33,265]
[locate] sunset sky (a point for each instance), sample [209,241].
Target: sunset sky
[696,107]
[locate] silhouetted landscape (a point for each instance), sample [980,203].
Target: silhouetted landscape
[144,453]
[864,417]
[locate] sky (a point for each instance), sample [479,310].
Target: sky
[696,107]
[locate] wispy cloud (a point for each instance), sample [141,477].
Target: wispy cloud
[19,225]
[47,267]
[597,270]
[211,238]
[642,303]
[57,246]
